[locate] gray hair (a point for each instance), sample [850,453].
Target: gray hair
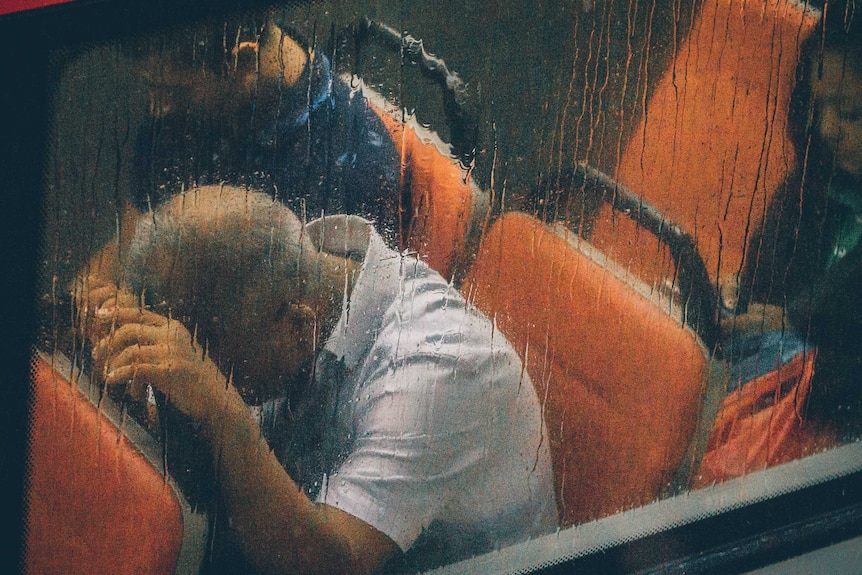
[201,253]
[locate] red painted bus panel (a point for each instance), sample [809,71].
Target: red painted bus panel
[94,503]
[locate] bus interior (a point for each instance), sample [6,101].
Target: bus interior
[597,177]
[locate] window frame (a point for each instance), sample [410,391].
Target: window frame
[755,532]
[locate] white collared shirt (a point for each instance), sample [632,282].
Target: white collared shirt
[436,434]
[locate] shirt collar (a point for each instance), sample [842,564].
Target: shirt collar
[376,286]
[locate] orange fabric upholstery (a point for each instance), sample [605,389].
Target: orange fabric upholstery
[635,249]
[95,505]
[440,193]
[713,146]
[619,378]
[760,425]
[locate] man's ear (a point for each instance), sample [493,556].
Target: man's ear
[296,317]
[302,322]
[302,313]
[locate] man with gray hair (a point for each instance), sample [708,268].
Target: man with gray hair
[420,436]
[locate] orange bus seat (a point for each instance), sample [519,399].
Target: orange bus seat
[713,145]
[760,425]
[440,189]
[620,378]
[94,503]
[637,250]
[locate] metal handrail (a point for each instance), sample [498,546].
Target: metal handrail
[463,128]
[699,294]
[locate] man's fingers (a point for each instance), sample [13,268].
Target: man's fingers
[179,381]
[136,378]
[137,366]
[159,353]
[130,334]
[129,314]
[90,303]
[83,286]
[91,327]
[126,298]
[109,320]
[104,295]
[98,296]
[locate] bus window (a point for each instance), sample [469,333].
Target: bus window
[379,288]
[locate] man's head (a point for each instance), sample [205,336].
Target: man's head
[239,270]
[217,66]
[828,103]
[215,92]
[837,92]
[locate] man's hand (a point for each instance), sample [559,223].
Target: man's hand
[98,293]
[144,348]
[759,318]
[279,528]
[92,289]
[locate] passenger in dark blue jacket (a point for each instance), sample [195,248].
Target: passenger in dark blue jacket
[271,119]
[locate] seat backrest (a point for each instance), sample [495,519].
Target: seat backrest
[713,146]
[94,503]
[442,200]
[619,376]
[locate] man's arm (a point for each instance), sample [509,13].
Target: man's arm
[278,527]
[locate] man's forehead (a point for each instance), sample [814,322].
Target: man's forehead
[210,205]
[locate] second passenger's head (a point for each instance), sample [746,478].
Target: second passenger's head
[832,66]
[837,92]
[218,94]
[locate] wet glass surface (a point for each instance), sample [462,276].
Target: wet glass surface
[607,256]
